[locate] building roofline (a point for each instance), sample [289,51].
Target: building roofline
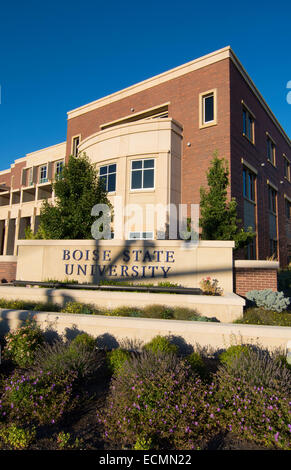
[153,81]
[195,64]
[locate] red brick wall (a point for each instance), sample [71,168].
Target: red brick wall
[246,279]
[8,271]
[255,155]
[226,137]
[183,95]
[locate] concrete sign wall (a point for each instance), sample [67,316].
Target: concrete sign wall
[138,261]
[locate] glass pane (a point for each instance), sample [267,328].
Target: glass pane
[136,182]
[136,165]
[103,170]
[133,235]
[148,181]
[208,109]
[244,122]
[149,163]
[111,182]
[112,168]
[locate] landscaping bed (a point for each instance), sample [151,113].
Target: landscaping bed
[70,394]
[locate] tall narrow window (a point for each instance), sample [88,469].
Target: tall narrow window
[271,151]
[75,145]
[248,125]
[43,174]
[207,108]
[59,168]
[286,168]
[249,193]
[143,174]
[273,236]
[108,177]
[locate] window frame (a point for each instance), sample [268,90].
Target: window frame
[43,179]
[286,165]
[74,151]
[140,233]
[249,176]
[272,200]
[247,118]
[202,123]
[142,170]
[107,174]
[271,160]
[57,163]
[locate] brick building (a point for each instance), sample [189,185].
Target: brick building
[153,143]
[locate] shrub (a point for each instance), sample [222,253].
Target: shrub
[22,344]
[60,356]
[233,353]
[116,358]
[197,364]
[39,397]
[78,307]
[84,340]
[124,312]
[158,311]
[260,316]
[210,286]
[269,299]
[259,368]
[183,313]
[17,438]
[143,444]
[252,412]
[161,344]
[157,401]
[66,442]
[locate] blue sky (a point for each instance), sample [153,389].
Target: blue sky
[58,55]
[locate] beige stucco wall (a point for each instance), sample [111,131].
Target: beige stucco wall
[150,261]
[158,139]
[142,330]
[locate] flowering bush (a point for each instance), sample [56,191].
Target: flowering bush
[253,412]
[36,398]
[156,401]
[258,367]
[210,286]
[22,344]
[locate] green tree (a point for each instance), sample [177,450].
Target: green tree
[218,216]
[77,190]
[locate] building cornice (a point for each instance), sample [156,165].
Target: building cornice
[204,61]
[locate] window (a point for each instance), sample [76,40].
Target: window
[30,177]
[286,168]
[43,174]
[59,168]
[207,109]
[287,209]
[273,248]
[248,125]
[249,184]
[143,174]
[75,145]
[272,200]
[271,151]
[108,177]
[140,235]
